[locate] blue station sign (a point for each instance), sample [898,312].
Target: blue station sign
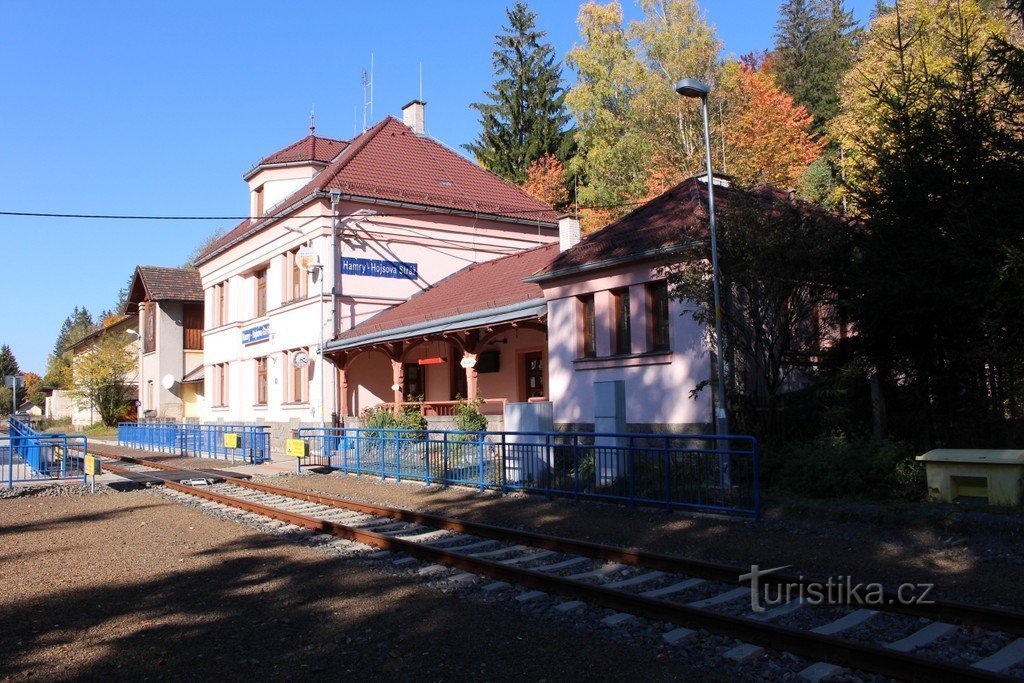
[255,334]
[368,267]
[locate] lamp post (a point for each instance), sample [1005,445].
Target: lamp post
[691,87]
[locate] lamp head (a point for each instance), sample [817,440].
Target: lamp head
[691,87]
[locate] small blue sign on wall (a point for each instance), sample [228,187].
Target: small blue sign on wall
[369,267]
[258,333]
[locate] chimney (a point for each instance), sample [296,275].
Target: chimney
[568,232]
[412,116]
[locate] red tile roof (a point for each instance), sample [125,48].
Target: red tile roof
[673,220]
[158,283]
[310,148]
[389,162]
[477,287]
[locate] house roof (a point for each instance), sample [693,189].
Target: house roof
[390,163]
[671,222]
[159,283]
[119,322]
[494,288]
[312,148]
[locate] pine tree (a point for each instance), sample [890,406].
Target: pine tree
[74,327]
[8,366]
[815,42]
[526,117]
[8,363]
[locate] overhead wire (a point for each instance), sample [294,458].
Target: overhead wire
[154,217]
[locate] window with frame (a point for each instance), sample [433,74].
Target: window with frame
[260,285]
[219,312]
[149,334]
[621,334]
[658,321]
[295,280]
[221,375]
[587,326]
[261,381]
[297,390]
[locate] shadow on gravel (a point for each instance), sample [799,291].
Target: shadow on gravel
[257,610]
[63,521]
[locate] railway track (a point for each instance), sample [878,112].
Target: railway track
[928,641]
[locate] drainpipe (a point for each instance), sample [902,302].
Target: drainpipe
[335,274]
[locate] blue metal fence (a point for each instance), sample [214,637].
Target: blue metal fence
[198,440]
[28,455]
[691,471]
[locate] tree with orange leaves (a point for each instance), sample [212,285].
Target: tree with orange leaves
[767,135]
[546,180]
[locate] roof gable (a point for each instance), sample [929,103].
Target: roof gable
[159,283]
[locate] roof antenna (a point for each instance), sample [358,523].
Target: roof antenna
[421,81]
[368,101]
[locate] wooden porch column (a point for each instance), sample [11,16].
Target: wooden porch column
[471,376]
[343,391]
[398,380]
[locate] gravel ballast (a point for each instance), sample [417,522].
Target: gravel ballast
[977,567]
[132,584]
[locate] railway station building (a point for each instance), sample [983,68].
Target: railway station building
[426,279]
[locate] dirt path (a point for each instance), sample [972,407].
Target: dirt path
[131,585]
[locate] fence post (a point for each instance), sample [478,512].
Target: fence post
[444,460]
[504,478]
[426,460]
[480,443]
[550,469]
[576,467]
[631,472]
[668,478]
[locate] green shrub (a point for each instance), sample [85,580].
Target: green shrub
[836,466]
[468,417]
[382,417]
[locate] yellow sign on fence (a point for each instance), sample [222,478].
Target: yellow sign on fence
[296,448]
[92,465]
[231,440]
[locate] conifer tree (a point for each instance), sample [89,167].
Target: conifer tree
[526,116]
[814,48]
[8,366]
[74,327]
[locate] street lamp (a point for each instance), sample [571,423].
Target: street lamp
[691,87]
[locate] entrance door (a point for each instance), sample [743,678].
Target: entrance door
[415,388]
[533,374]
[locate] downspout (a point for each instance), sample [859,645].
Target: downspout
[335,287]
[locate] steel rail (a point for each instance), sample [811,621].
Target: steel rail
[810,645]
[996,619]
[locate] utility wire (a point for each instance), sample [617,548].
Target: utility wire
[48,214]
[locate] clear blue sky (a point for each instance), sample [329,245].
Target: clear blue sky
[158,108]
